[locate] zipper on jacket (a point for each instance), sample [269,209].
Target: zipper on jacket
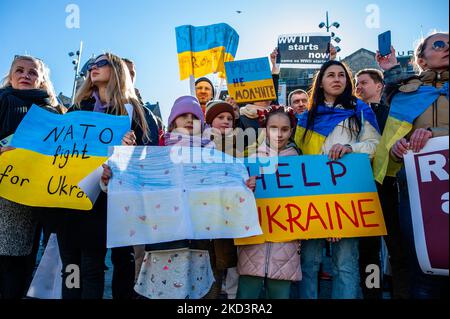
[266,270]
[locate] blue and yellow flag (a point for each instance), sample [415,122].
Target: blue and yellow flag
[54,153]
[405,108]
[204,50]
[325,120]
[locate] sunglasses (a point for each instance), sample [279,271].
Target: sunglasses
[440,45]
[98,64]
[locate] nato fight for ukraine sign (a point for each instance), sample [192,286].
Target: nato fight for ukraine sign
[204,50]
[311,196]
[250,80]
[54,155]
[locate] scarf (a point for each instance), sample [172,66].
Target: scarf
[325,120]
[14,104]
[179,139]
[251,111]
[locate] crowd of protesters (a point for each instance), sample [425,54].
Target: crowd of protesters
[354,110]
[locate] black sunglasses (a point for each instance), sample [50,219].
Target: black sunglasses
[440,45]
[98,64]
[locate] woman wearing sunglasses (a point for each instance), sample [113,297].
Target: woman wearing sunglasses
[82,238]
[27,83]
[418,112]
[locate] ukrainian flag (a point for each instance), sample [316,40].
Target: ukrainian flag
[204,50]
[325,120]
[405,108]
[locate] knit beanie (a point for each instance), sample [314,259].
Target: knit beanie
[204,79]
[186,104]
[216,107]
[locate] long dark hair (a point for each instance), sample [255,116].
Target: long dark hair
[317,96]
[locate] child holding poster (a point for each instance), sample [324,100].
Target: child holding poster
[272,266]
[221,116]
[336,123]
[184,268]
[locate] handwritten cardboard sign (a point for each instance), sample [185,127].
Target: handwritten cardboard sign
[162,194]
[250,80]
[54,153]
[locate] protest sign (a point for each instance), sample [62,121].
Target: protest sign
[162,194]
[204,50]
[250,80]
[6,141]
[427,175]
[308,50]
[312,197]
[54,153]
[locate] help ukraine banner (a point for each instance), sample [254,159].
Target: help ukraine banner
[54,153]
[250,80]
[204,50]
[312,197]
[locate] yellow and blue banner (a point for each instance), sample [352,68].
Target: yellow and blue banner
[405,108]
[250,80]
[310,197]
[204,50]
[54,153]
[325,120]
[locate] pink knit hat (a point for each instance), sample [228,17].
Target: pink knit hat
[184,105]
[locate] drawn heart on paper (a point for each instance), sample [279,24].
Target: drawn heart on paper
[241,200]
[155,227]
[143,218]
[132,232]
[166,268]
[158,206]
[127,208]
[247,228]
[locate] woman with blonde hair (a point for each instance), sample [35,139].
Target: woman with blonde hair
[419,111]
[82,237]
[26,83]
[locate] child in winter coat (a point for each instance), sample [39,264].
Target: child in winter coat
[184,268]
[272,266]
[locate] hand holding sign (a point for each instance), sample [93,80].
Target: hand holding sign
[308,50]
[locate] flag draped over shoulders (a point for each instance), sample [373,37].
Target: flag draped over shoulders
[405,109]
[325,120]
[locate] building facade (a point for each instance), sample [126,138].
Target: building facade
[360,59]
